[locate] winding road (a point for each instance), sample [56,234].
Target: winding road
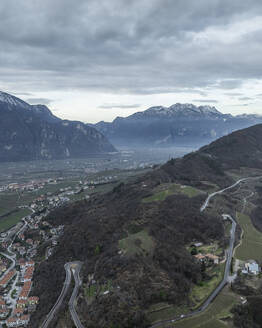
[72,300]
[229,255]
[70,267]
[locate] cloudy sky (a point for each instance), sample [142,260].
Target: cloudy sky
[94,60]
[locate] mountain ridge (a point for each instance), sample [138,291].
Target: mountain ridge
[32,132]
[176,125]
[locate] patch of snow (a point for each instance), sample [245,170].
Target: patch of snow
[81,128]
[67,152]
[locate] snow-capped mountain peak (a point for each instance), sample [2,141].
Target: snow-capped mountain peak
[12,100]
[183,109]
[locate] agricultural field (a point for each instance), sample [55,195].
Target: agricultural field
[172,189]
[159,311]
[217,315]
[201,291]
[251,243]
[8,221]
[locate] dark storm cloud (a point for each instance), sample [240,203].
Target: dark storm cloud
[36,101]
[137,46]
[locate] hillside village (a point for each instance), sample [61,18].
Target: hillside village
[16,280]
[20,245]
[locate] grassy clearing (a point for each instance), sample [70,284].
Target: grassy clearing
[12,219]
[201,291]
[251,245]
[163,310]
[212,317]
[171,190]
[211,248]
[96,289]
[137,243]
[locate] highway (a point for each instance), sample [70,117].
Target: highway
[70,267]
[61,297]
[229,254]
[72,300]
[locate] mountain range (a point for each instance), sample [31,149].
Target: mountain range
[179,124]
[32,132]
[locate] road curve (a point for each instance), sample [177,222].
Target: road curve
[203,207]
[72,300]
[61,297]
[228,261]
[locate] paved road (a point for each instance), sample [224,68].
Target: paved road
[72,300]
[70,267]
[228,261]
[12,256]
[61,297]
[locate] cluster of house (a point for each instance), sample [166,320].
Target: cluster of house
[30,246]
[4,311]
[207,258]
[27,270]
[29,186]
[251,267]
[24,304]
[7,278]
[18,321]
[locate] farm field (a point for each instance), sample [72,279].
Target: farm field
[251,244]
[137,243]
[216,314]
[201,292]
[171,190]
[12,219]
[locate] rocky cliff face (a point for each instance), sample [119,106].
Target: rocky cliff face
[34,133]
[174,125]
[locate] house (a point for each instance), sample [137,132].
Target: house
[2,268]
[198,244]
[21,303]
[21,236]
[32,300]
[200,257]
[25,319]
[5,280]
[22,263]
[12,322]
[18,312]
[4,312]
[2,303]
[213,258]
[252,267]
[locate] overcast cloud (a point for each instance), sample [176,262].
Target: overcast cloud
[140,51]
